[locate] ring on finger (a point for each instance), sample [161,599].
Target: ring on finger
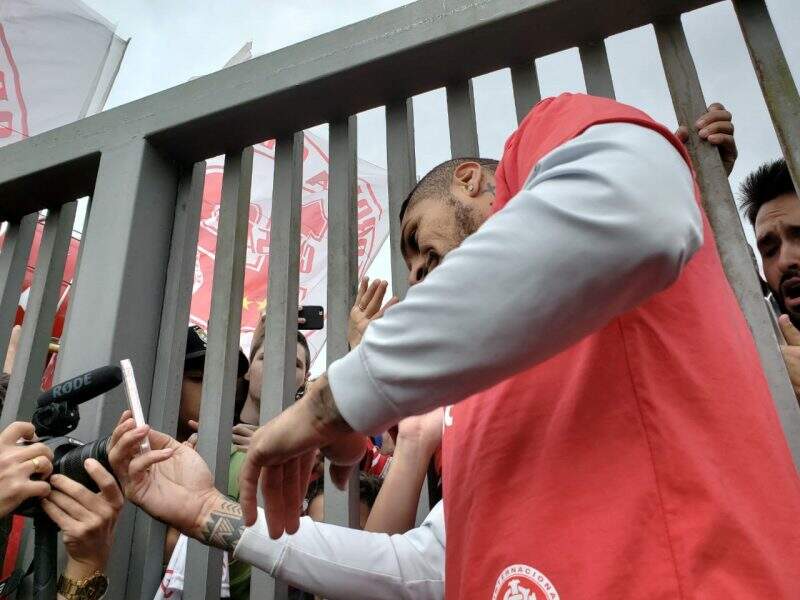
[36,464]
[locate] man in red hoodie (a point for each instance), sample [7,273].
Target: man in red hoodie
[610,432]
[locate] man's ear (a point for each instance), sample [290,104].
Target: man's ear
[468,178]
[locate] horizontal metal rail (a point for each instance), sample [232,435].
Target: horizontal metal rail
[398,54]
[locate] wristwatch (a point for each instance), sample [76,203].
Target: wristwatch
[91,588]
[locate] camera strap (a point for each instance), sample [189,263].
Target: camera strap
[10,584]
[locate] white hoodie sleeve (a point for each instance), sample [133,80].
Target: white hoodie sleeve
[603,222]
[339,563]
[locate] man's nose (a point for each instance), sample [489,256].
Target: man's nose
[417,271]
[789,259]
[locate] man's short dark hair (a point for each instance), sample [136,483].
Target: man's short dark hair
[766,183]
[439,178]
[258,340]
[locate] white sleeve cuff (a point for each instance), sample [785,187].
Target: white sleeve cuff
[256,548]
[358,397]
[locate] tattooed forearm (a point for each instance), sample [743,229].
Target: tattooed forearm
[223,526]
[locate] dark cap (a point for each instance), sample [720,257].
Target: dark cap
[196,345]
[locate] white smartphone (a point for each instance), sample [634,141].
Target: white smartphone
[133,399]
[775,314]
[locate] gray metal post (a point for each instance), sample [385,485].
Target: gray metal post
[148,536]
[401,175]
[341,507]
[26,376]
[203,563]
[13,263]
[461,117]
[401,162]
[525,83]
[775,78]
[280,342]
[596,72]
[720,207]
[115,308]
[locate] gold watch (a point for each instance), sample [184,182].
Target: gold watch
[91,588]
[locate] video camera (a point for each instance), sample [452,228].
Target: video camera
[57,415]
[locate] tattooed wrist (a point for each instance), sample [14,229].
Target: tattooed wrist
[222,524]
[326,413]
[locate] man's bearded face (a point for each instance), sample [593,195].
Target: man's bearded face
[431,228]
[778,236]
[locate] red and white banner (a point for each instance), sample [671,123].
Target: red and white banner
[373,228]
[58,60]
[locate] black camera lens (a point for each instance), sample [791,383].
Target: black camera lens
[70,462]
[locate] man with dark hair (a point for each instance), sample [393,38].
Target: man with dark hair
[770,202]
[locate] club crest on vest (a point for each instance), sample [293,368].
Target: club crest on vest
[522,582]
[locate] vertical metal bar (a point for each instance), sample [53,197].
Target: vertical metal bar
[13,262]
[115,308]
[402,176]
[280,344]
[342,507]
[148,536]
[26,376]
[203,563]
[775,78]
[78,260]
[596,72]
[687,97]
[461,116]
[525,83]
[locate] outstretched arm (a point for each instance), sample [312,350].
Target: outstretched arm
[602,223]
[347,564]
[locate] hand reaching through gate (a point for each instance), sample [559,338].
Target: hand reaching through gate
[715,127]
[791,352]
[171,482]
[282,452]
[367,308]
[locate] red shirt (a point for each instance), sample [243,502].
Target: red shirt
[644,462]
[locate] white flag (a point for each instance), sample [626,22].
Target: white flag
[58,59]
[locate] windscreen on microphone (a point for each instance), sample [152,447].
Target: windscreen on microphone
[83,387]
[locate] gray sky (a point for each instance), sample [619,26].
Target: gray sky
[174,40]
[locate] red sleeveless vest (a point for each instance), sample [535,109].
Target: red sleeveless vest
[645,462]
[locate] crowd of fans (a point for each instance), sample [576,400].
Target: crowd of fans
[395,463]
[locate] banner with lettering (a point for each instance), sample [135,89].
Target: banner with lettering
[373,228]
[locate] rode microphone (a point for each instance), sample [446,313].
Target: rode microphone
[83,387]
[57,408]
